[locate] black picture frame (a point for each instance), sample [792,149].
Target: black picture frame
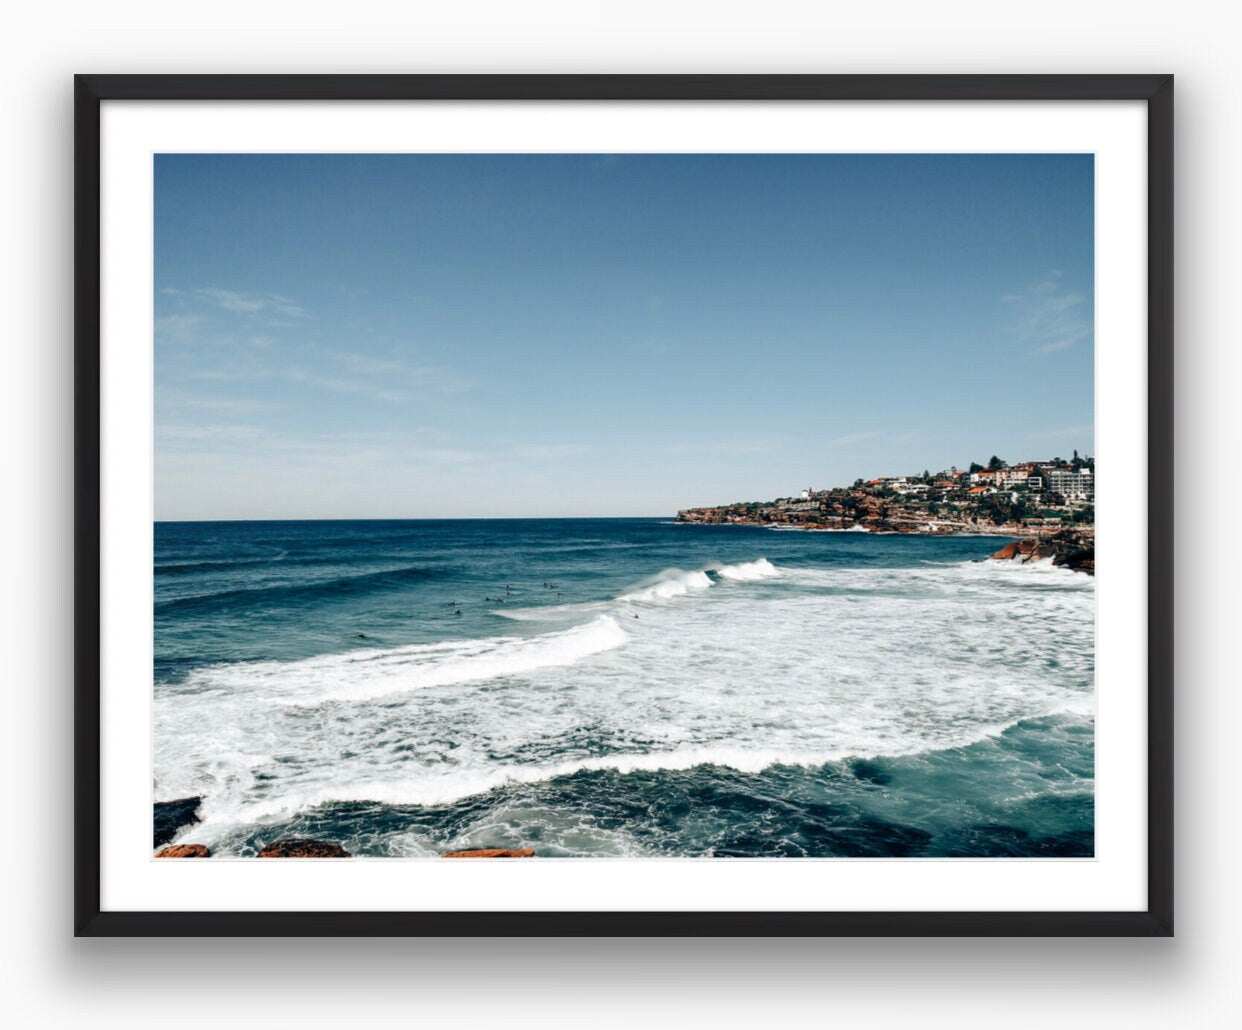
[1155,90]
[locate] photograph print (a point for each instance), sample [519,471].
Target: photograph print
[629,506]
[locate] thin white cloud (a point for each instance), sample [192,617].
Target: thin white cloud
[727,448]
[236,445]
[418,376]
[852,438]
[179,327]
[549,451]
[391,382]
[177,401]
[340,384]
[1048,317]
[209,433]
[252,303]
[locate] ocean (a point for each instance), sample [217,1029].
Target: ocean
[626,688]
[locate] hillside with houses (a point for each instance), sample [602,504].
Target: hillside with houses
[1027,498]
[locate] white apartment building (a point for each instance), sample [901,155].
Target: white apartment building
[1073,484]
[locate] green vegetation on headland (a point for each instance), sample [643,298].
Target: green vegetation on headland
[1030,498]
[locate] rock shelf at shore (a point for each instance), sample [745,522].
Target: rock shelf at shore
[492,853]
[1072,548]
[171,816]
[185,851]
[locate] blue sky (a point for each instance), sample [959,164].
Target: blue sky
[356,336]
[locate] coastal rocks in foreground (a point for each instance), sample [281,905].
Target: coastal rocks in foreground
[295,848]
[1080,560]
[1072,548]
[171,816]
[1030,549]
[492,853]
[184,851]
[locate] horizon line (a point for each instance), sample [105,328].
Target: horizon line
[427,518]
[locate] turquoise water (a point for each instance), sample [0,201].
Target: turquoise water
[621,687]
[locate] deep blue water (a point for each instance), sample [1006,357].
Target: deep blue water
[621,687]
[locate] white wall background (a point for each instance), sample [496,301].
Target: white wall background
[52,980]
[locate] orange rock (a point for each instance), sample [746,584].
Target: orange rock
[1008,551]
[492,853]
[303,849]
[184,851]
[1042,549]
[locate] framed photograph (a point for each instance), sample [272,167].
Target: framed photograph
[688,486]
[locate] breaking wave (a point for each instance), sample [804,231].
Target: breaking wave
[670,583]
[678,582]
[369,675]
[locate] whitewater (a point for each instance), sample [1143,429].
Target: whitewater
[621,688]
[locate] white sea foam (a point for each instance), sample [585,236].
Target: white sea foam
[807,666]
[448,786]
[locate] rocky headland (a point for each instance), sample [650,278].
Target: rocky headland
[1065,534]
[1030,498]
[860,511]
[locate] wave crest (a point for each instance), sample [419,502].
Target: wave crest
[748,572]
[670,583]
[679,582]
[365,676]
